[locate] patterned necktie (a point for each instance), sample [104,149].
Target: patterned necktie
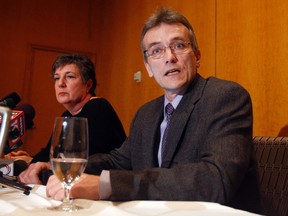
[169,109]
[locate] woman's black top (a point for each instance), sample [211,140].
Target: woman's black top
[105,129]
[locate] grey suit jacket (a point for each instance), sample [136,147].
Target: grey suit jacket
[209,153]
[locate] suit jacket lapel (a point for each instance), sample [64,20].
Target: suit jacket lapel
[151,134]
[180,118]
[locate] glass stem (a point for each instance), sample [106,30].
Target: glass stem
[66,200]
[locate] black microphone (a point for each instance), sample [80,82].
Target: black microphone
[10,100]
[13,133]
[10,167]
[6,182]
[44,176]
[29,114]
[19,166]
[16,122]
[16,132]
[21,120]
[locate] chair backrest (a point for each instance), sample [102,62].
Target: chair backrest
[272,158]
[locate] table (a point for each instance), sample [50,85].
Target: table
[16,203]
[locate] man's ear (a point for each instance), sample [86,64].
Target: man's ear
[147,66]
[198,57]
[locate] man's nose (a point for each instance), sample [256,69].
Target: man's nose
[169,55]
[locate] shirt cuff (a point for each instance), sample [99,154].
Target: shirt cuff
[105,189]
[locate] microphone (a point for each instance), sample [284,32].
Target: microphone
[5,114]
[10,167]
[6,182]
[29,114]
[10,100]
[44,176]
[17,126]
[19,166]
[16,132]
[21,120]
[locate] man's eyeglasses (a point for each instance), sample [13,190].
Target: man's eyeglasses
[157,51]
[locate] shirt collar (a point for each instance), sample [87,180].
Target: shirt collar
[175,102]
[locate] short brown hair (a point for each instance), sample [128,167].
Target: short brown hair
[168,16]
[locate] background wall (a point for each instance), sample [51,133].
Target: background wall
[244,41]
[252,49]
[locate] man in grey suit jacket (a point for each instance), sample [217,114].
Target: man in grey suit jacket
[208,155]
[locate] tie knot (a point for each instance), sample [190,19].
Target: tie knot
[169,109]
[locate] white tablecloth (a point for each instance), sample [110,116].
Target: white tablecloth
[16,203]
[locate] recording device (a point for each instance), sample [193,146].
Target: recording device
[16,131]
[21,120]
[4,128]
[17,125]
[29,114]
[6,182]
[6,113]
[10,167]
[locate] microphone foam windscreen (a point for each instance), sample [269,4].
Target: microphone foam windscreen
[19,166]
[29,113]
[12,99]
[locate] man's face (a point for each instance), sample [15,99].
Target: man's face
[173,72]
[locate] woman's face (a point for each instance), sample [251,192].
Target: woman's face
[69,87]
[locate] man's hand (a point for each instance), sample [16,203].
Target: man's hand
[31,175]
[86,187]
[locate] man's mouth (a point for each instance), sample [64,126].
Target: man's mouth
[172,72]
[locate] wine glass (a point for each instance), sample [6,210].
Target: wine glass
[69,155]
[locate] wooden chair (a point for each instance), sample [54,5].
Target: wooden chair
[272,157]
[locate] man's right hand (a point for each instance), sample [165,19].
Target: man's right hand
[31,175]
